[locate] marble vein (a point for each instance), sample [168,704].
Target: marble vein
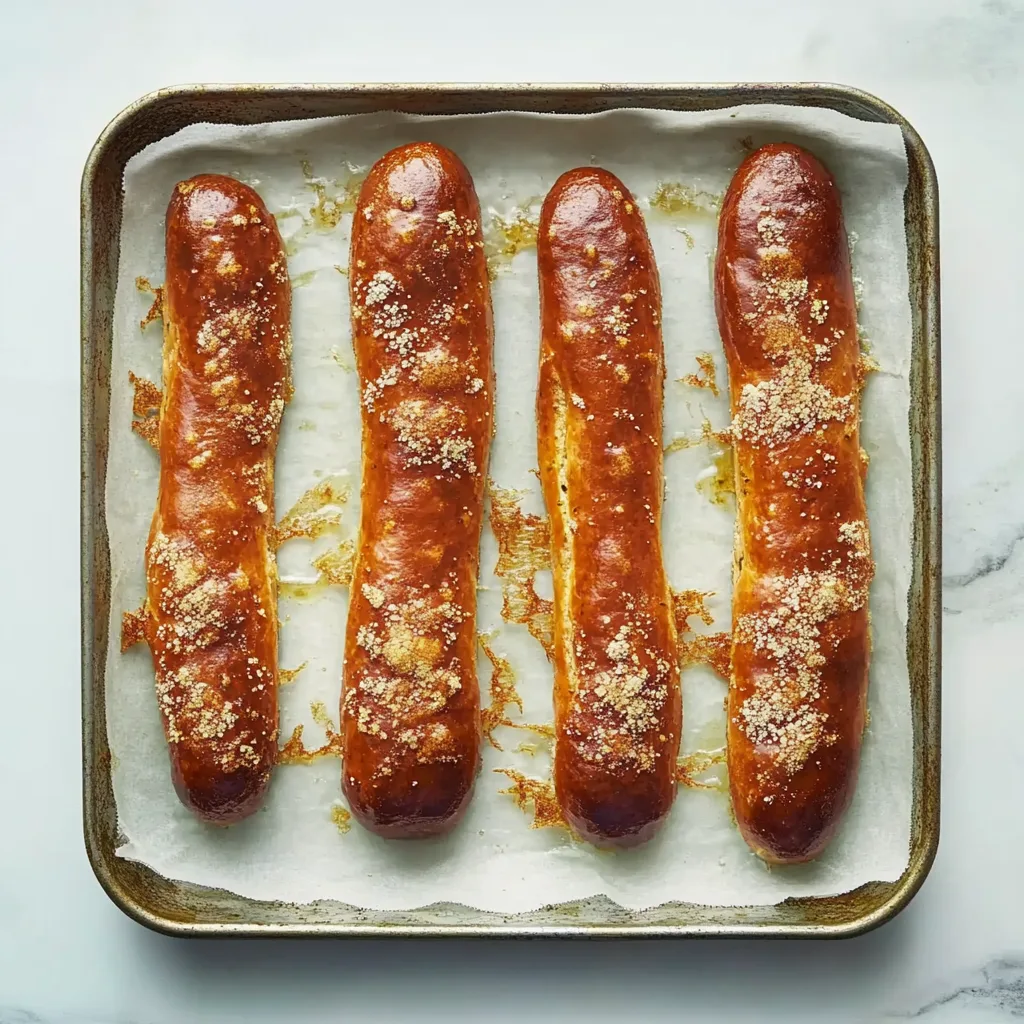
[999,985]
[17,1015]
[988,563]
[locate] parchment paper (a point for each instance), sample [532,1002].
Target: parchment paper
[292,850]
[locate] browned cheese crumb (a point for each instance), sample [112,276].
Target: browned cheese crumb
[783,711]
[412,674]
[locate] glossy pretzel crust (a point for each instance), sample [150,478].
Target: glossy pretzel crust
[210,570]
[599,415]
[786,311]
[423,337]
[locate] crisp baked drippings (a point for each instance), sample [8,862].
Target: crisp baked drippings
[539,792]
[712,649]
[689,766]
[705,377]
[507,237]
[315,512]
[706,435]
[156,309]
[146,401]
[686,603]
[334,569]
[147,397]
[296,752]
[503,693]
[333,199]
[336,565]
[676,199]
[342,818]
[718,482]
[524,549]
[135,626]
[289,675]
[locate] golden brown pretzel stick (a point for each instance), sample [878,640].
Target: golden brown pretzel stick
[599,412]
[422,330]
[211,609]
[798,693]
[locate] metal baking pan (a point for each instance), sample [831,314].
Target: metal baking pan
[181,908]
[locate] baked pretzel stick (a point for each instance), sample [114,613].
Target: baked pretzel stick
[423,337]
[599,415]
[211,610]
[798,692]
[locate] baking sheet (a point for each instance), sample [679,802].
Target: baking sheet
[292,850]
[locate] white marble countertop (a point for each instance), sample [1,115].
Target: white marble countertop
[955,68]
